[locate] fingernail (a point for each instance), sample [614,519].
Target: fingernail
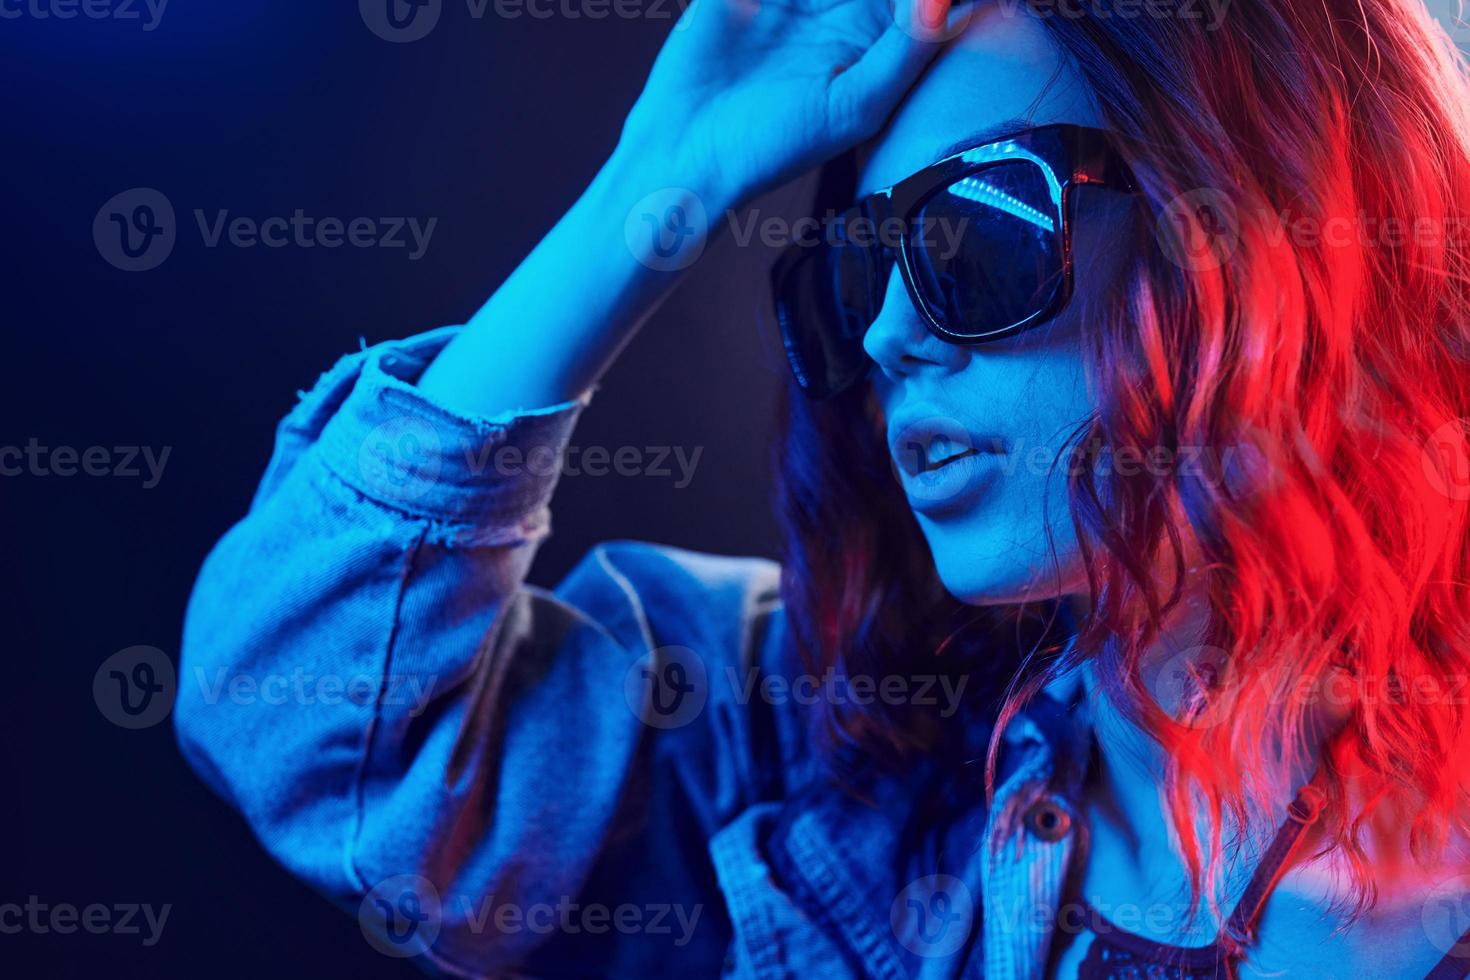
[931,12]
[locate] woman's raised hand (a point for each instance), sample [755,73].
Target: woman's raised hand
[747,93]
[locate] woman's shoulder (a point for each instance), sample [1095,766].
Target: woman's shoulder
[656,566]
[706,635]
[661,596]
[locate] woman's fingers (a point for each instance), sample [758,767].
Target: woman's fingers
[863,96]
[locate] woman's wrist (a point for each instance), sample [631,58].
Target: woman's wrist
[556,324]
[662,222]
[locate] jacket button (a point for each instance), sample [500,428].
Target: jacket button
[1048,820]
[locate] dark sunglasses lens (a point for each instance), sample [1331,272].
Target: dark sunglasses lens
[825,301]
[987,251]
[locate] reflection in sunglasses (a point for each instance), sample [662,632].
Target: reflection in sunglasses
[974,189]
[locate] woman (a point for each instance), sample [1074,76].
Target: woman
[1123,608]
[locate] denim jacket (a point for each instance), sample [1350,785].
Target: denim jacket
[611,778]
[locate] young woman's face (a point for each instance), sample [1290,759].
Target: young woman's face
[992,519]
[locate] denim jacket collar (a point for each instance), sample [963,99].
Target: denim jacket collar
[901,909]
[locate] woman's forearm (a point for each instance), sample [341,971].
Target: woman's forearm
[556,324]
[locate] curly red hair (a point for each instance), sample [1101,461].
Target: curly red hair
[1322,349]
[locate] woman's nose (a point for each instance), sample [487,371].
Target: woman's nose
[899,341]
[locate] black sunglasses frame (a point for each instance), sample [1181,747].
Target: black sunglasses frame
[1068,155]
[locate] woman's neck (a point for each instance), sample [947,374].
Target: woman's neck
[1134,861]
[1126,799]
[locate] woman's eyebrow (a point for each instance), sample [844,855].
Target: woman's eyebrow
[987,135]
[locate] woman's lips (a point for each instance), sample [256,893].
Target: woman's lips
[952,488]
[941,463]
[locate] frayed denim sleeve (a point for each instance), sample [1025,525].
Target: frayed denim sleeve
[366,678]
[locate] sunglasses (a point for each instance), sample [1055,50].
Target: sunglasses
[982,240]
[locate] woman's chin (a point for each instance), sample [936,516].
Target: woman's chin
[984,570]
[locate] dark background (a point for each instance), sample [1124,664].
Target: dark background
[493,126]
